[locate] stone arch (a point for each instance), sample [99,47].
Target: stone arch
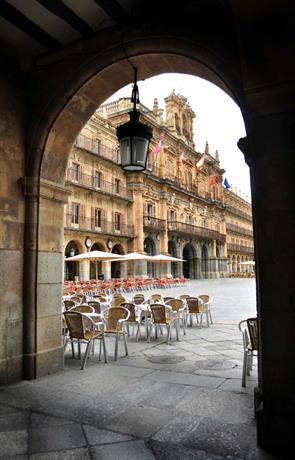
[204,261]
[189,266]
[97,246]
[61,110]
[172,250]
[71,269]
[150,248]
[115,265]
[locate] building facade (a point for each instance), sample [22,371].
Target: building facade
[177,206]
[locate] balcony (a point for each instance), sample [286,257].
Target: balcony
[237,229]
[104,227]
[182,228]
[240,248]
[90,181]
[153,223]
[98,148]
[239,213]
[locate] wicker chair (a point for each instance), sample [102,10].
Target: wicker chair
[96,305]
[82,328]
[77,299]
[166,298]
[117,299]
[138,298]
[207,301]
[249,330]
[83,308]
[156,298]
[162,315]
[196,308]
[179,308]
[68,304]
[116,318]
[134,318]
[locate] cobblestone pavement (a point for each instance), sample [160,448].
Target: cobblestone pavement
[179,401]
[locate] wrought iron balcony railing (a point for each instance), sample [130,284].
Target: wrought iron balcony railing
[238,229]
[193,230]
[240,248]
[98,148]
[239,213]
[93,182]
[153,223]
[103,226]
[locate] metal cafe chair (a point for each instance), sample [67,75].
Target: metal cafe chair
[249,330]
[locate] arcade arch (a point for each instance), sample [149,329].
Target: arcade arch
[71,269]
[116,267]
[150,249]
[189,266]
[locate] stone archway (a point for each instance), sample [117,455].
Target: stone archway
[115,265]
[71,269]
[204,261]
[150,249]
[92,269]
[172,250]
[189,266]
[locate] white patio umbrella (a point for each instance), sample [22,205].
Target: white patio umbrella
[136,257]
[94,256]
[164,258]
[248,262]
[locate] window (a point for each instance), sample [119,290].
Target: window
[117,221]
[117,186]
[75,209]
[97,179]
[97,217]
[149,210]
[75,172]
[171,215]
[96,144]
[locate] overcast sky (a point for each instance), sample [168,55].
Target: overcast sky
[218,119]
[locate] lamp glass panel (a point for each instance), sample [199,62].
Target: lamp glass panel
[140,148]
[125,151]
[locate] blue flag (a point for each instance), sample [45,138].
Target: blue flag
[226,183]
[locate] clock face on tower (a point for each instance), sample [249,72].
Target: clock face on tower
[110,244]
[88,242]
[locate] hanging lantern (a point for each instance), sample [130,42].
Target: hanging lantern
[134,137]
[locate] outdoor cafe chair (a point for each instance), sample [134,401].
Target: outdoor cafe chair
[249,330]
[162,315]
[156,298]
[196,308]
[83,308]
[134,318]
[96,305]
[82,328]
[138,298]
[117,300]
[76,298]
[115,318]
[179,308]
[68,304]
[207,301]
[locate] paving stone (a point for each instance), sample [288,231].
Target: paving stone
[139,421]
[72,454]
[13,443]
[40,420]
[177,429]
[135,450]
[185,379]
[14,421]
[214,437]
[172,451]
[56,438]
[96,436]
[225,406]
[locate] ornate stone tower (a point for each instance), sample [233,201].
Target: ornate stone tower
[179,117]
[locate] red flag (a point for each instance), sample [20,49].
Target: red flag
[212,181]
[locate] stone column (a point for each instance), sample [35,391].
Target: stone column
[270,153]
[43,349]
